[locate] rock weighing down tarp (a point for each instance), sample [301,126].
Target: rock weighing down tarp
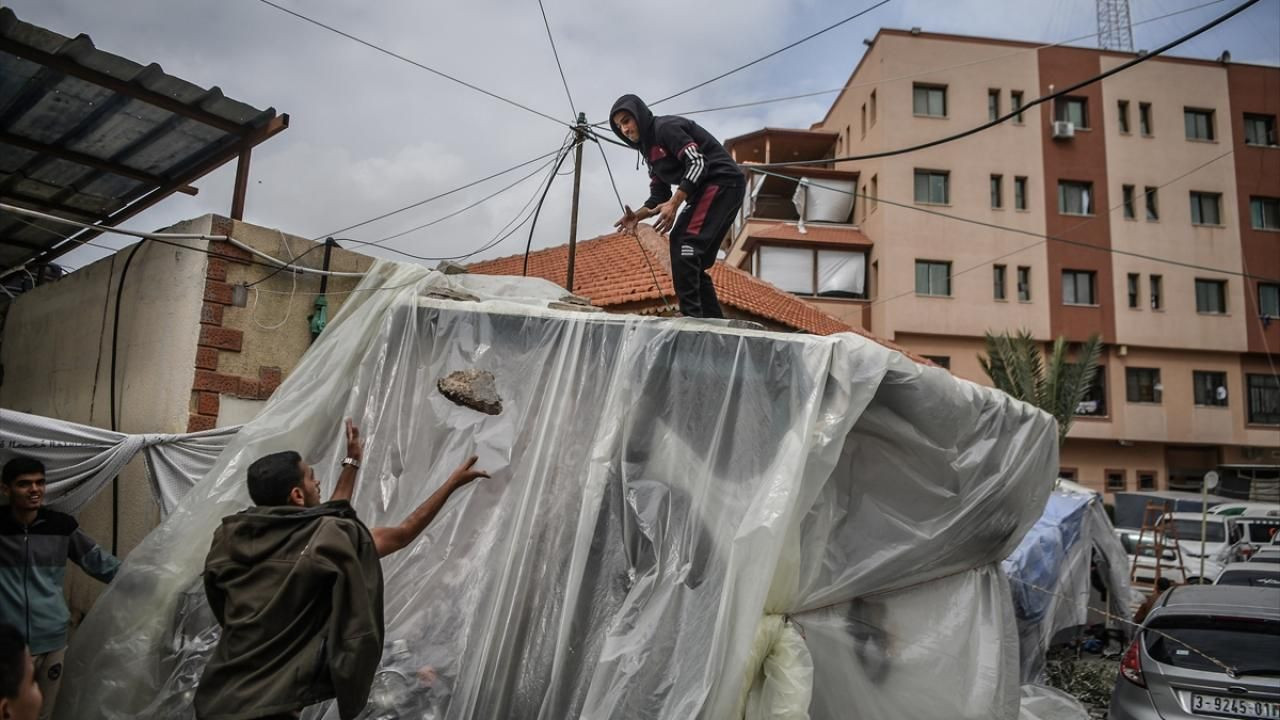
[684,520]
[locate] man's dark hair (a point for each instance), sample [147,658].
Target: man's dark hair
[13,659]
[21,465]
[272,477]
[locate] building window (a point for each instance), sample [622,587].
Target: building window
[1129,212]
[997,192]
[933,278]
[873,108]
[1123,107]
[1144,119]
[1211,296]
[1116,480]
[1015,104]
[1134,290]
[864,119]
[998,278]
[1146,480]
[929,100]
[942,361]
[821,273]
[1264,213]
[1269,300]
[1020,193]
[1024,283]
[1094,403]
[1157,292]
[1077,287]
[1264,399]
[1074,110]
[1068,474]
[993,104]
[1153,207]
[1142,385]
[1199,123]
[933,186]
[1259,129]
[1209,388]
[1075,198]
[1206,208]
[873,201]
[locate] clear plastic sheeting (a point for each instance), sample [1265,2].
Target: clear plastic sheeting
[682,518]
[1051,574]
[1040,702]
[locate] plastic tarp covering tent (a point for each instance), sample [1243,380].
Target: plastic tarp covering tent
[1050,573]
[685,520]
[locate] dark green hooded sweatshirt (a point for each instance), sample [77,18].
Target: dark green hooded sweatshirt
[298,593]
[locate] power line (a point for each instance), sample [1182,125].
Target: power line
[1038,101]
[572,108]
[412,62]
[538,210]
[908,76]
[780,50]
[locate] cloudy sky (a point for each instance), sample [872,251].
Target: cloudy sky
[369,133]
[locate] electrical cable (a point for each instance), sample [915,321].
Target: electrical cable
[538,210]
[780,50]
[1038,101]
[546,23]
[113,408]
[412,62]
[932,71]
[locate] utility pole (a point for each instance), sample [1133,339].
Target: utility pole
[581,133]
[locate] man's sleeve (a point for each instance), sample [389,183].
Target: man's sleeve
[686,150]
[659,192]
[91,558]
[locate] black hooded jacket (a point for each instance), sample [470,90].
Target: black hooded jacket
[678,152]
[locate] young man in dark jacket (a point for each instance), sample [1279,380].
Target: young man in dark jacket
[679,152]
[296,586]
[35,545]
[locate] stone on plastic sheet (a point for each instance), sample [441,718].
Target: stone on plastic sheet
[475,389]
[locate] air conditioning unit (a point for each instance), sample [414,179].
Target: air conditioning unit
[1063,129]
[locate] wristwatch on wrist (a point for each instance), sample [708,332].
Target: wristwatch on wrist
[350,461]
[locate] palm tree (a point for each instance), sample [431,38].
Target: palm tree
[1055,384]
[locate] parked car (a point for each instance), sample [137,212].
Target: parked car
[1173,669]
[1266,554]
[1251,575]
[1146,570]
[1243,508]
[1219,537]
[1257,529]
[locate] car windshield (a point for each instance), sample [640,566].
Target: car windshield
[1262,577]
[1190,530]
[1240,643]
[1260,533]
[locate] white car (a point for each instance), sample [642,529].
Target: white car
[1250,574]
[1266,554]
[1246,508]
[1219,536]
[1145,573]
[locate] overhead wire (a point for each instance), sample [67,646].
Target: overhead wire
[413,62]
[547,24]
[932,71]
[1033,103]
[538,210]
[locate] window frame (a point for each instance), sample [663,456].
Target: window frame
[1099,385]
[1122,111]
[1262,201]
[1262,311]
[1272,417]
[927,88]
[1000,282]
[993,103]
[1087,200]
[1220,295]
[758,266]
[1155,288]
[1213,400]
[1191,117]
[1155,479]
[930,174]
[1020,192]
[1134,386]
[942,361]
[929,266]
[1198,206]
[1134,288]
[1126,198]
[1024,283]
[1062,110]
[1076,275]
[1269,129]
[1110,473]
[1015,105]
[1151,203]
[997,192]
[1145,123]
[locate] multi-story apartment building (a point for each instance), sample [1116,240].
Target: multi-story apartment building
[1158,189]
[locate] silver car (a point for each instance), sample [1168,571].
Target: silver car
[1174,668]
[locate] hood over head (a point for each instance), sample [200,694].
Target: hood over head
[644,118]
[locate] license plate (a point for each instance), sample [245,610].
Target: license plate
[1234,706]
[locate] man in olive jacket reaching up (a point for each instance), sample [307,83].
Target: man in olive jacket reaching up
[296,585]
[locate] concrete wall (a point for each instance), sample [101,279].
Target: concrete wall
[57,361]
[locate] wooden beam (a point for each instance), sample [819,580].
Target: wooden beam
[87,160]
[71,67]
[242,183]
[43,204]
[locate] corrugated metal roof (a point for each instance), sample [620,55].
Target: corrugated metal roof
[85,134]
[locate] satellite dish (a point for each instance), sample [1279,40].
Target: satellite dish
[1211,479]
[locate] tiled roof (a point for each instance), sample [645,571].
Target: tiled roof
[612,271]
[824,234]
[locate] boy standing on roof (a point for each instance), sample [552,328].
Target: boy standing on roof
[679,152]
